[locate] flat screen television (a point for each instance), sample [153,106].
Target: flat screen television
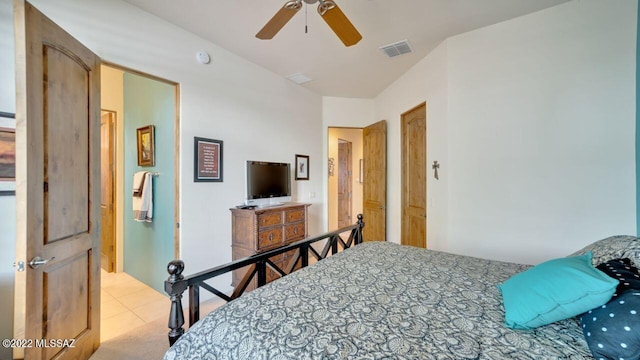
[268,183]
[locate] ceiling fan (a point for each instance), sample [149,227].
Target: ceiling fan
[329,11]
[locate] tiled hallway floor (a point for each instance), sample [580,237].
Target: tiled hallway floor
[127,303]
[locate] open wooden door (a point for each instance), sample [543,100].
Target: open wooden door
[344,183]
[414,177]
[57,293]
[375,181]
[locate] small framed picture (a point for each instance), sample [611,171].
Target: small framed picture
[302,167]
[146,146]
[207,160]
[7,154]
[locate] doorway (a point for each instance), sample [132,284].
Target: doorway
[344,185]
[414,176]
[136,100]
[133,253]
[368,177]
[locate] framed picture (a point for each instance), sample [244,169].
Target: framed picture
[302,167]
[146,146]
[207,160]
[7,154]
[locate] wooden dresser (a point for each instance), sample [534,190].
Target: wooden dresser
[257,230]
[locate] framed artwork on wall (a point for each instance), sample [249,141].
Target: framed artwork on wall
[302,167]
[7,154]
[146,146]
[207,160]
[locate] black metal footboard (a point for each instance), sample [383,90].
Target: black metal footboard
[176,284]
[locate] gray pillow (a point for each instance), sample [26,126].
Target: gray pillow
[613,247]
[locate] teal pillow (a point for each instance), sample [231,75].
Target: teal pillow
[555,290]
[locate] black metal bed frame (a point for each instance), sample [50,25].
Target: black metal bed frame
[176,284]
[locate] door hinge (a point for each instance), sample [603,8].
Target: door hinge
[46,186]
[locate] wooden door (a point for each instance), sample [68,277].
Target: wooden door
[375,181]
[57,189]
[414,177]
[344,183]
[107,193]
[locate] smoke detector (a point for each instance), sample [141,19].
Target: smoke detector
[397,48]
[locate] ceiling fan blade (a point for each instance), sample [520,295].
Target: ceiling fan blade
[340,25]
[278,21]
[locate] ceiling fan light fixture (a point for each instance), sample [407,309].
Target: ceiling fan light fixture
[324,6]
[293,5]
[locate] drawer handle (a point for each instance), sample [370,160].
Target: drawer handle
[271,237]
[295,231]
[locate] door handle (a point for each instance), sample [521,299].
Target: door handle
[37,261]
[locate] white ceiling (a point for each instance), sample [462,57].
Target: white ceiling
[359,71]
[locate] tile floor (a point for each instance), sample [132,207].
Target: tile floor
[126,304]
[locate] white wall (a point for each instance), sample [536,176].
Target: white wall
[533,122]
[7,203]
[258,115]
[426,81]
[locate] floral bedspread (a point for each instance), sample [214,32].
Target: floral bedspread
[379,301]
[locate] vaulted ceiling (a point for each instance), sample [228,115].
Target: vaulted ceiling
[359,71]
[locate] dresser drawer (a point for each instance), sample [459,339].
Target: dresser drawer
[294,232]
[269,219]
[269,238]
[288,257]
[295,215]
[278,261]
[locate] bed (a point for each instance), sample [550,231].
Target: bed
[380,300]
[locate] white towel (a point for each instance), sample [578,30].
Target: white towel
[143,204]
[138,183]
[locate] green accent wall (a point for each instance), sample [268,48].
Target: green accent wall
[148,247]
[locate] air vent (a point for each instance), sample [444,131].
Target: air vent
[299,78]
[395,49]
